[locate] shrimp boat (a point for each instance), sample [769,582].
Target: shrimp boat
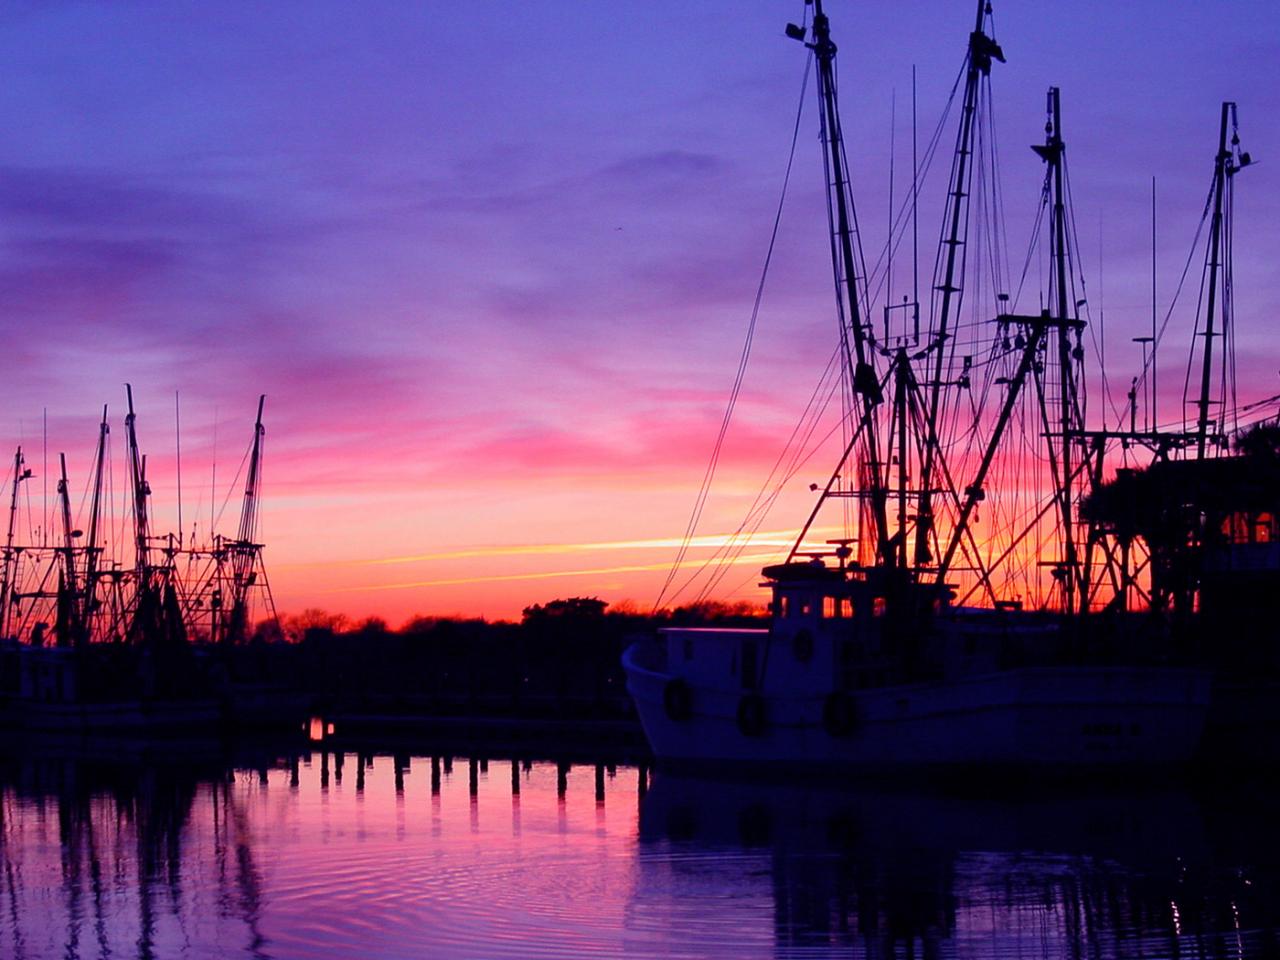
[919,639]
[91,643]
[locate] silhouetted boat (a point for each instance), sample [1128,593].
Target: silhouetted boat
[874,655]
[140,649]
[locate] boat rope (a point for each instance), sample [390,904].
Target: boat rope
[797,454]
[709,473]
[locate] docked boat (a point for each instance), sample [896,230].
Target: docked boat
[91,643]
[917,639]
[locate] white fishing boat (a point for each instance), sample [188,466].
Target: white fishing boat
[901,644]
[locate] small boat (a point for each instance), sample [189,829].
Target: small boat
[875,653]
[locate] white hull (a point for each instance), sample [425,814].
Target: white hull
[1044,716]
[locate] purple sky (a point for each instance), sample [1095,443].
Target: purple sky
[492,262]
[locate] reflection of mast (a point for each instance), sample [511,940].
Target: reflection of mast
[7,578]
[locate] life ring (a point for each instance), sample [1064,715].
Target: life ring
[802,646]
[751,715]
[676,700]
[839,714]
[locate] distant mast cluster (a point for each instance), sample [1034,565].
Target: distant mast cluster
[164,592]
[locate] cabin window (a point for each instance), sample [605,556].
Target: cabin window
[1241,527]
[1235,527]
[836,607]
[878,608]
[1262,528]
[749,666]
[806,609]
[784,606]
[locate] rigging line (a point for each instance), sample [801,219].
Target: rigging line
[1200,305]
[709,473]
[875,280]
[1049,503]
[1033,245]
[792,469]
[1186,269]
[772,499]
[1076,257]
[790,452]
[1250,407]
[760,510]
[235,482]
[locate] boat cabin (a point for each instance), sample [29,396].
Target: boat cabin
[830,629]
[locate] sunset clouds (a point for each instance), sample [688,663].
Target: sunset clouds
[492,264]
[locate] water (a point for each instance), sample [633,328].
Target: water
[335,855]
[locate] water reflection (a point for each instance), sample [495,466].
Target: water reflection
[113,840]
[907,874]
[281,856]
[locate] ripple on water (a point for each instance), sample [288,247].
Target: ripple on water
[701,871]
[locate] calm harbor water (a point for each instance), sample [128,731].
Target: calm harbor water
[341,855]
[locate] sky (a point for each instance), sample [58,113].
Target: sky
[492,264]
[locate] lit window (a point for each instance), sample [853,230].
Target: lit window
[1263,527]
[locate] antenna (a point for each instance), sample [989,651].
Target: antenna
[888,270]
[1155,393]
[915,198]
[213,482]
[177,431]
[44,479]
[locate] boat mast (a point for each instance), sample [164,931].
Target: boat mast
[982,51]
[92,549]
[7,584]
[69,608]
[1222,169]
[1052,152]
[865,382]
[1038,329]
[138,482]
[245,552]
[148,617]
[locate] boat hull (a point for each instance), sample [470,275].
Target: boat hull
[1043,716]
[151,717]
